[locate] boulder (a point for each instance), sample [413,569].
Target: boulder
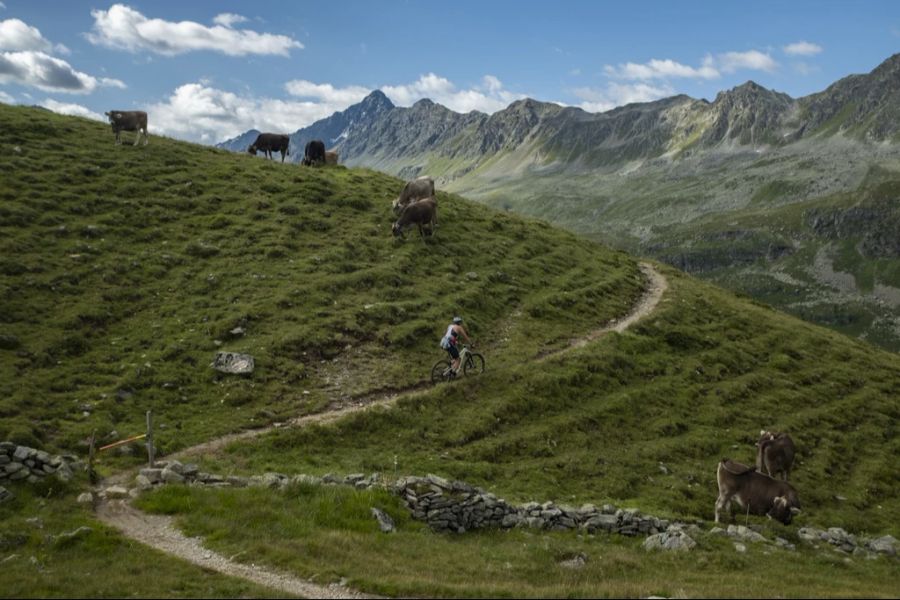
[234,363]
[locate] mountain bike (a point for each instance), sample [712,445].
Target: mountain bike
[471,363]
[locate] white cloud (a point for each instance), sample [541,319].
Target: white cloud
[752,59]
[6,98]
[617,94]
[663,69]
[17,35]
[325,92]
[202,113]
[711,67]
[45,72]
[72,109]
[803,49]
[124,28]
[229,19]
[489,97]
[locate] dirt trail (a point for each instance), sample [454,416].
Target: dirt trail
[158,531]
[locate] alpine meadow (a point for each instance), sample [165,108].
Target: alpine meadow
[588,447]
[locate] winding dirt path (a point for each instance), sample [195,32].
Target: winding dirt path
[159,532]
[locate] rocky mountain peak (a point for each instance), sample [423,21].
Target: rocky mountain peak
[377,100]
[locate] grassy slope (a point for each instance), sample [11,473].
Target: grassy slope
[685,208]
[123,270]
[114,259]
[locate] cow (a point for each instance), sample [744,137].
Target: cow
[331,157]
[774,454]
[129,120]
[421,213]
[314,154]
[414,190]
[754,492]
[271,143]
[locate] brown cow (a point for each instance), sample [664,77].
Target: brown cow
[129,120]
[417,189]
[331,157]
[754,492]
[421,213]
[774,454]
[270,143]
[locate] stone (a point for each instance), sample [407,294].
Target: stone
[233,363]
[153,475]
[674,540]
[5,494]
[64,472]
[810,534]
[13,467]
[385,522]
[884,545]
[85,498]
[23,453]
[739,547]
[116,491]
[576,562]
[743,533]
[170,476]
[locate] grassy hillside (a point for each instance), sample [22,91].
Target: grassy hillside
[124,270]
[773,224]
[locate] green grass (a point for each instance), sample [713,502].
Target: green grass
[328,533]
[40,561]
[690,385]
[123,270]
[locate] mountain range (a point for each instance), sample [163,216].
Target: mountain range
[737,190]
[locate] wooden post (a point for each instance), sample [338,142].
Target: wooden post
[151,453]
[91,475]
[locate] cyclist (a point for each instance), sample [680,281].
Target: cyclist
[450,339]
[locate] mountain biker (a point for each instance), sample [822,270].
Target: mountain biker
[450,340]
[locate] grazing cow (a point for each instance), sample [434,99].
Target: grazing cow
[129,120]
[421,213]
[754,492]
[271,143]
[331,157]
[414,190]
[774,454]
[314,153]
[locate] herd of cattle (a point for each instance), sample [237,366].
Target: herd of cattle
[754,488]
[416,205]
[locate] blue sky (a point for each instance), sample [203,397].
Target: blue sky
[206,71]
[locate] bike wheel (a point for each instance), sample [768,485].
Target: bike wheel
[474,364]
[439,370]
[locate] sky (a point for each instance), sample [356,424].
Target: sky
[208,71]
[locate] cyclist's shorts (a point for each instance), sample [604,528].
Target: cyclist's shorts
[452,351]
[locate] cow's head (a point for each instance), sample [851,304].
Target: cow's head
[252,149]
[782,510]
[397,229]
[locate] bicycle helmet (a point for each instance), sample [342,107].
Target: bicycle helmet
[457,320]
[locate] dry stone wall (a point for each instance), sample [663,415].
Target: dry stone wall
[457,507]
[21,463]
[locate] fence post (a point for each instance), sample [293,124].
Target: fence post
[92,477]
[151,454]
